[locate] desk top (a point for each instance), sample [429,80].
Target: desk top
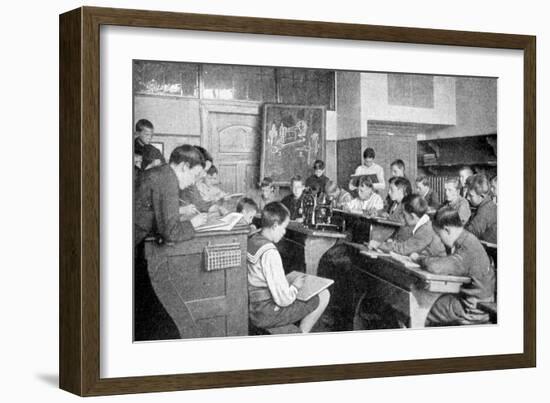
[395,271]
[240,228]
[377,220]
[301,228]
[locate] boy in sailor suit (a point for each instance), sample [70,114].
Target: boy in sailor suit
[272,300]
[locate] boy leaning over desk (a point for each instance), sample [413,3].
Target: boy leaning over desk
[468,259]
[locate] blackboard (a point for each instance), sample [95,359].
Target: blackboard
[293,138]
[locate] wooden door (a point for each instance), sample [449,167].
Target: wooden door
[401,144]
[231,131]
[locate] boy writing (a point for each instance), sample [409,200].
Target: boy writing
[367,201]
[272,300]
[339,197]
[423,239]
[468,259]
[248,208]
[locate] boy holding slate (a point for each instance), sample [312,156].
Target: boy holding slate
[272,300]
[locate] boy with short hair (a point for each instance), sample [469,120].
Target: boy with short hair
[483,223]
[397,168]
[272,300]
[424,190]
[464,173]
[266,194]
[318,180]
[208,187]
[293,202]
[151,156]
[248,208]
[367,201]
[468,259]
[423,238]
[369,167]
[339,198]
[456,201]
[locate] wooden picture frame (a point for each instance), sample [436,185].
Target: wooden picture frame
[79,277]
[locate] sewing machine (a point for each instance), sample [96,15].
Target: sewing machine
[317,212]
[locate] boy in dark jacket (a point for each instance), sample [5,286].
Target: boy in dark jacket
[468,259]
[423,238]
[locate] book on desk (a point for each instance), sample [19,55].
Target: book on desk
[216,223]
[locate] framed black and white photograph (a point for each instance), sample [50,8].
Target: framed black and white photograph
[275,215]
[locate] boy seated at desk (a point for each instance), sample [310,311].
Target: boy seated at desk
[272,300]
[423,239]
[248,208]
[208,187]
[318,180]
[456,201]
[191,200]
[367,201]
[430,195]
[398,189]
[293,202]
[266,194]
[339,198]
[468,259]
[483,223]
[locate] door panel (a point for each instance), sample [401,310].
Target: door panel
[231,132]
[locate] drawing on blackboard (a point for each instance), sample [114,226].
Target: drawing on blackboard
[293,138]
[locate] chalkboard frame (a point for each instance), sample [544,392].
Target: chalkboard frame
[265,131]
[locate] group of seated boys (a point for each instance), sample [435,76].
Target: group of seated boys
[171,199]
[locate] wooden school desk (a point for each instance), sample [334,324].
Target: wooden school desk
[302,248]
[409,291]
[202,303]
[362,229]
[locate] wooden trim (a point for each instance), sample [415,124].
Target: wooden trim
[70,274]
[79,200]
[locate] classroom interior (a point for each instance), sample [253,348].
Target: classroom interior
[435,124]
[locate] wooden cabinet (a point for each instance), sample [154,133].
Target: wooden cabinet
[201,303]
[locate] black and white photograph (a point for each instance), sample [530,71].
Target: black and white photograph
[271,200]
